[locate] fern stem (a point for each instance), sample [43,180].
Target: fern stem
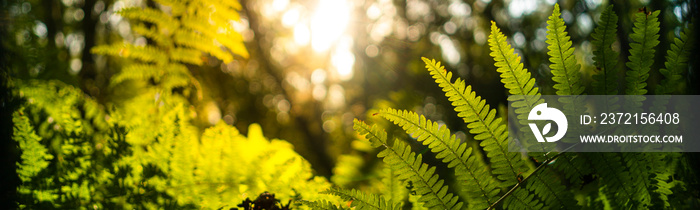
[540,167]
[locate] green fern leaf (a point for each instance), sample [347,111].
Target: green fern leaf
[469,169]
[410,167]
[35,157]
[513,75]
[363,201]
[516,78]
[645,38]
[676,62]
[604,57]
[482,122]
[564,67]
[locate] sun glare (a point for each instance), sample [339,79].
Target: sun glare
[328,23]
[324,29]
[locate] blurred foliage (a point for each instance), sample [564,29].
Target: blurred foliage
[76,155]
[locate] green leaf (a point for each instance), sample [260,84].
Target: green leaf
[644,39]
[676,62]
[604,57]
[564,67]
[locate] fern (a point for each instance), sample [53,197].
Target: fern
[645,38]
[676,62]
[604,57]
[181,36]
[35,158]
[410,167]
[513,75]
[469,169]
[523,93]
[564,67]
[482,122]
[362,201]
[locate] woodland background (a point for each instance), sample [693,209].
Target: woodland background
[314,66]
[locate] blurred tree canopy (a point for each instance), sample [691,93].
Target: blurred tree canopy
[311,66]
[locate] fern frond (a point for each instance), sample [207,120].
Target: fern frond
[361,200]
[516,78]
[181,36]
[469,169]
[323,205]
[676,62]
[482,122]
[35,157]
[604,57]
[645,38]
[410,167]
[564,67]
[513,75]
